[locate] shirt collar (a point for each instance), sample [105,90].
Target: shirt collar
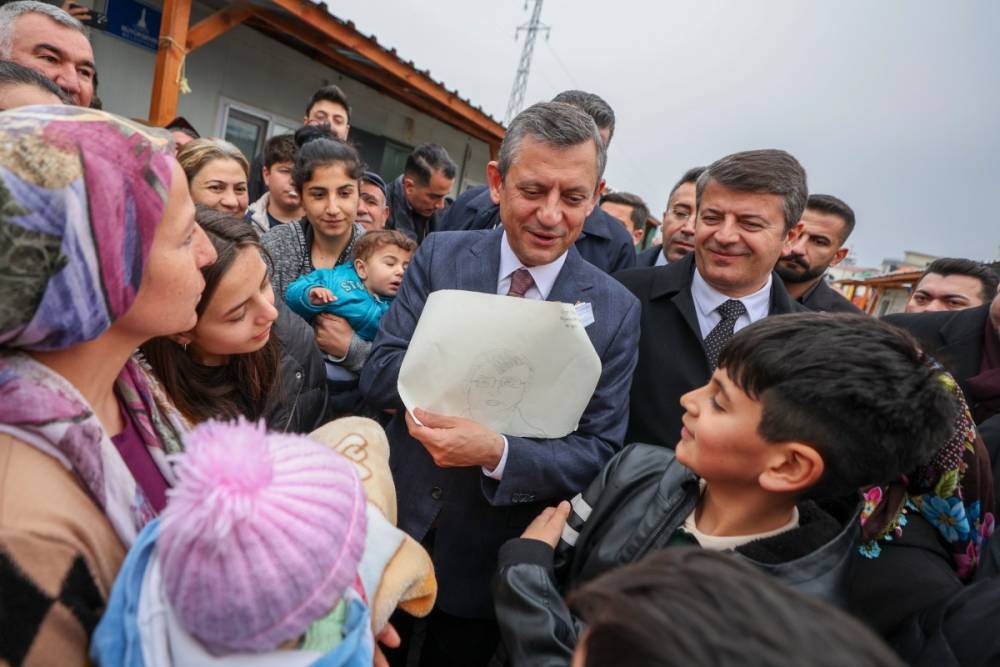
[544,275]
[707,298]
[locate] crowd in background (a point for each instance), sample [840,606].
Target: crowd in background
[764,473]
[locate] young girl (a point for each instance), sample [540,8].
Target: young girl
[244,356]
[327,177]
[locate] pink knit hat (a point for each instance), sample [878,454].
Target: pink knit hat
[261,536]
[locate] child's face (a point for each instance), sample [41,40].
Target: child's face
[279,184]
[382,273]
[719,440]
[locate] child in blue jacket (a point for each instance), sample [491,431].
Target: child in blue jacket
[359,292]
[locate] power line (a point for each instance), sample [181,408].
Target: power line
[531,30]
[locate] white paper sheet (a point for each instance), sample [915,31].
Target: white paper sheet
[520,366]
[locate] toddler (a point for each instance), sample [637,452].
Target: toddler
[360,292]
[268,552]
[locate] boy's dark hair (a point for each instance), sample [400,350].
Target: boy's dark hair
[425,160]
[14,74]
[370,243]
[640,212]
[857,389]
[319,147]
[833,206]
[329,93]
[279,148]
[952,266]
[687,606]
[768,171]
[593,105]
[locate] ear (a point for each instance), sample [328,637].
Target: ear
[793,233]
[637,235]
[408,184]
[793,468]
[359,266]
[839,257]
[266,173]
[495,180]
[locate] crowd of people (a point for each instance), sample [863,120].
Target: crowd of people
[205,459]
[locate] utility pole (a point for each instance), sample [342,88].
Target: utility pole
[531,30]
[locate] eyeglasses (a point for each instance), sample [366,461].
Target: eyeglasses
[484,382]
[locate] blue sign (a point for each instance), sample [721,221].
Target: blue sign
[134,22]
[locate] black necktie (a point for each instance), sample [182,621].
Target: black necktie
[717,338]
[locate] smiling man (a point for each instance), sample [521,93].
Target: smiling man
[463,488]
[51,42]
[747,205]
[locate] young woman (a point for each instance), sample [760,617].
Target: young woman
[244,356]
[217,174]
[100,253]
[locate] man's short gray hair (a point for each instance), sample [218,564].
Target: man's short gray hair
[12,10]
[555,124]
[767,171]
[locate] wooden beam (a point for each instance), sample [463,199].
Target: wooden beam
[318,17]
[375,77]
[215,25]
[169,61]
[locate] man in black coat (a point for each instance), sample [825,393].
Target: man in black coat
[418,194]
[967,343]
[819,244]
[678,224]
[747,207]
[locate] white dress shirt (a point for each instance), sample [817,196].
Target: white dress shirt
[544,277]
[707,299]
[661,258]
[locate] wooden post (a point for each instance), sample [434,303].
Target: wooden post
[169,60]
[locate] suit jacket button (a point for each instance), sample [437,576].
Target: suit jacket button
[436,492]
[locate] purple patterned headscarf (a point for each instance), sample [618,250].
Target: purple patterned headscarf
[81,194]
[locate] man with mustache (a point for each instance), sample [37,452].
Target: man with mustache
[822,232]
[747,206]
[462,488]
[678,224]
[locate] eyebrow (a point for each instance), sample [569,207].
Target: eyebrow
[236,307]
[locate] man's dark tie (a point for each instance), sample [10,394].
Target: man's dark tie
[717,338]
[520,282]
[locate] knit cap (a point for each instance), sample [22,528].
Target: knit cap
[261,536]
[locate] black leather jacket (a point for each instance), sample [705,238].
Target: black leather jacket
[300,404]
[635,505]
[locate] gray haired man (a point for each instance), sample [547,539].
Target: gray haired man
[464,489]
[51,42]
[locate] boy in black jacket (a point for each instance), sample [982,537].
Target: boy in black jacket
[803,411]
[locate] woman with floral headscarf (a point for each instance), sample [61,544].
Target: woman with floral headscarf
[922,540]
[99,252]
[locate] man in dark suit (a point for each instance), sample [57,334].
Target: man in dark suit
[603,241]
[747,205]
[678,224]
[462,488]
[967,343]
[821,234]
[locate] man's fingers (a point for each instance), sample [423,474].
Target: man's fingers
[432,419]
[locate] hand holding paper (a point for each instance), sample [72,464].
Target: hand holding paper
[455,442]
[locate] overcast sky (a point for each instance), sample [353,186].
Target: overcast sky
[894,106]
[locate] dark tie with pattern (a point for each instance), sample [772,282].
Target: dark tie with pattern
[520,282]
[717,338]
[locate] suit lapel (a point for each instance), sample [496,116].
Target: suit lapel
[480,263]
[571,284]
[963,341]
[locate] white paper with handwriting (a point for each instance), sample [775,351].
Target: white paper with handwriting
[520,366]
